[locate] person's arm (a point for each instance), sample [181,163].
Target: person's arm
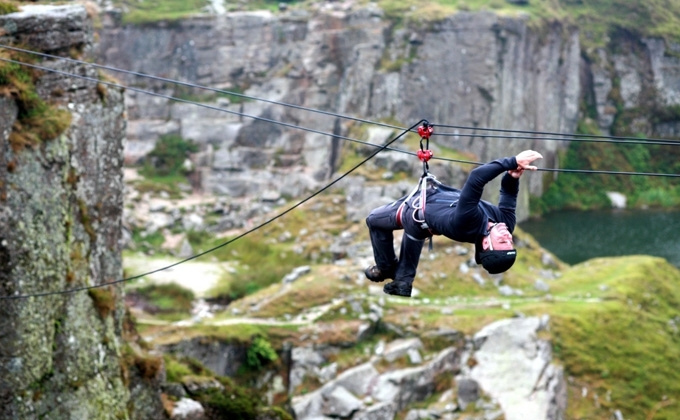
[482,175]
[467,215]
[510,186]
[507,202]
[467,212]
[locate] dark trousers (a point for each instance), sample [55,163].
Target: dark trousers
[382,222]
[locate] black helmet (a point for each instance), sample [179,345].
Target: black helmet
[496,261]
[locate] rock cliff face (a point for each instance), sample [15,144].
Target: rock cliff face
[469,69]
[60,227]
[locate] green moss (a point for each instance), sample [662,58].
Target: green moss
[104,300]
[175,370]
[168,156]
[233,403]
[148,242]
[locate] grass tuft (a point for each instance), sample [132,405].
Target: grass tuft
[104,300]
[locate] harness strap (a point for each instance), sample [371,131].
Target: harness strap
[400,210]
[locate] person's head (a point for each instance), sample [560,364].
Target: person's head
[495,251]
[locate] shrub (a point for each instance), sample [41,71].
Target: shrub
[168,156]
[260,353]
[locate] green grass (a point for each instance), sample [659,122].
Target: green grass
[260,263]
[168,298]
[162,184]
[157,10]
[7,7]
[37,120]
[623,346]
[587,191]
[150,11]
[596,18]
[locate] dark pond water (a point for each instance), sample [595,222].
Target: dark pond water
[576,236]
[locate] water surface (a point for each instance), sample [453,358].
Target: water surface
[576,236]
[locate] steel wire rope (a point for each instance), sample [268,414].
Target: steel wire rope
[216,108]
[197,86]
[380,148]
[193,257]
[584,171]
[572,137]
[549,133]
[186,101]
[632,140]
[580,171]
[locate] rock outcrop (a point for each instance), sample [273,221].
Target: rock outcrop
[468,69]
[512,375]
[61,199]
[476,70]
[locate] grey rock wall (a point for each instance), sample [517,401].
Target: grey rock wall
[60,226]
[466,70]
[469,69]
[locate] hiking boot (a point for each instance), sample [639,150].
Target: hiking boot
[373,273]
[398,288]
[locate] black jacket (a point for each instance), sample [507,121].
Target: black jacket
[462,215]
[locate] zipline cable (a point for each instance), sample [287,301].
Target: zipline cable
[572,137]
[548,133]
[186,101]
[196,86]
[261,225]
[620,140]
[216,108]
[380,148]
[107,83]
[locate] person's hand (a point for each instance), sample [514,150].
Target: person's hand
[516,173]
[524,160]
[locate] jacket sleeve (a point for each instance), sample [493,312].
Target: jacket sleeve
[468,213]
[508,200]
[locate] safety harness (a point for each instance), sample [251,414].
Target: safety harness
[418,203]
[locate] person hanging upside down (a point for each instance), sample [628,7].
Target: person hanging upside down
[460,215]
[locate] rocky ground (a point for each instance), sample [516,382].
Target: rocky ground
[329,308]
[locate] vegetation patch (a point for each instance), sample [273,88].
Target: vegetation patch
[588,191]
[37,121]
[172,10]
[168,157]
[147,366]
[614,327]
[169,298]
[104,299]
[260,353]
[7,7]
[177,368]
[160,10]
[315,289]
[260,264]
